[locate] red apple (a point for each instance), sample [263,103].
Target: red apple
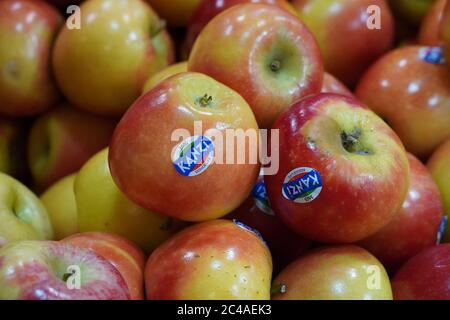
[27,30]
[61,141]
[49,270]
[415,227]
[348,45]
[429,34]
[175,12]
[212,260]
[188,179]
[425,277]
[264,53]
[343,173]
[333,85]
[124,255]
[334,273]
[409,89]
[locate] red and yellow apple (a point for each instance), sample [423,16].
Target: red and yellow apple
[332,85]
[164,74]
[214,260]
[343,173]
[430,33]
[27,32]
[176,12]
[264,53]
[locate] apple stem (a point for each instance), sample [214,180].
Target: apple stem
[351,143]
[206,100]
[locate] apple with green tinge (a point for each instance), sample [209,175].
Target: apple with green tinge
[264,53]
[62,139]
[342,30]
[101,206]
[214,260]
[412,11]
[123,254]
[51,270]
[13,141]
[332,85]
[27,32]
[343,173]
[164,74]
[334,273]
[409,88]
[430,29]
[156,153]
[102,66]
[424,277]
[439,166]
[415,227]
[176,12]
[59,200]
[22,215]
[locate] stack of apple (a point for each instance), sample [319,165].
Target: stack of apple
[98,200]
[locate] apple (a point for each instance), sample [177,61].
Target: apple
[439,166]
[123,254]
[412,11]
[408,87]
[416,225]
[22,215]
[13,138]
[334,273]
[176,12]
[207,10]
[62,139]
[343,173]
[348,45]
[214,260]
[332,85]
[103,207]
[190,178]
[429,34]
[445,30]
[27,31]
[164,74]
[425,277]
[49,270]
[264,53]
[59,200]
[102,66]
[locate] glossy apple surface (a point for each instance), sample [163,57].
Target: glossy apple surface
[430,33]
[439,165]
[22,215]
[27,31]
[164,74]
[264,53]
[340,26]
[144,158]
[343,173]
[214,260]
[61,141]
[332,85]
[416,225]
[46,270]
[425,277]
[13,141]
[334,273]
[102,66]
[176,12]
[103,207]
[408,87]
[124,255]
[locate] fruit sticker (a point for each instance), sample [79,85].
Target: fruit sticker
[193,155]
[434,55]
[302,185]
[441,229]
[247,228]
[259,194]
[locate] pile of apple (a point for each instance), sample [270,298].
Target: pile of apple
[98,201]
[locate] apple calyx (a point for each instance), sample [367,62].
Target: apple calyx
[205,101]
[275,65]
[352,143]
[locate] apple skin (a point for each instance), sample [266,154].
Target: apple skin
[176,12]
[439,166]
[348,46]
[363,184]
[140,155]
[34,270]
[412,11]
[62,139]
[214,260]
[123,254]
[277,58]
[424,277]
[207,10]
[332,85]
[429,34]
[445,31]
[59,200]
[13,141]
[101,67]
[22,215]
[420,216]
[103,207]
[333,273]
[412,95]
[164,74]
[26,82]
